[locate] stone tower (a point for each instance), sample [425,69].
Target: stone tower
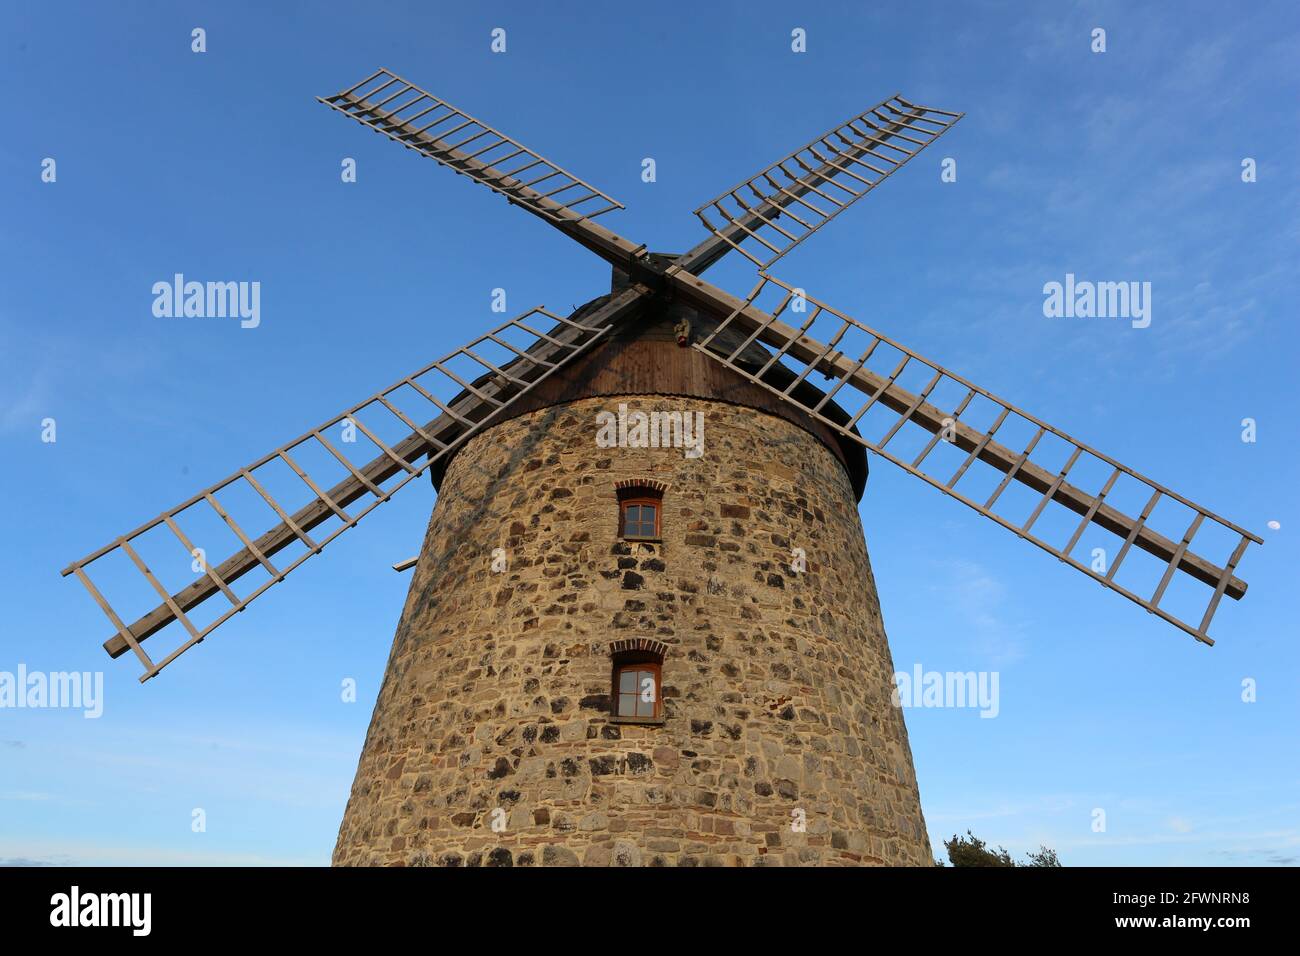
[495,739]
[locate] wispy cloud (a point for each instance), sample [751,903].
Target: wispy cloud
[1047,804]
[60,853]
[24,402]
[980,599]
[26,796]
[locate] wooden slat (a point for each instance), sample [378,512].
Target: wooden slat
[125,636]
[157,586]
[239,532]
[189,547]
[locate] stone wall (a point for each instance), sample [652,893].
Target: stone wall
[491,742]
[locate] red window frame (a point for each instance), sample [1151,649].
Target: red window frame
[637,664]
[640,502]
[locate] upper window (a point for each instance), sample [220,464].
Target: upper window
[640,518]
[640,507]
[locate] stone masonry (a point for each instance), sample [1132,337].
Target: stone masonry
[491,742]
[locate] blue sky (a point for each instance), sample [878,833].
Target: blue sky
[1124,165]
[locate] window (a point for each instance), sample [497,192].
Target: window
[640,518]
[637,694]
[640,505]
[637,690]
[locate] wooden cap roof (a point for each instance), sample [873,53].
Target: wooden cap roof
[641,357]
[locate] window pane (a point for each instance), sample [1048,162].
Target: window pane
[633,513]
[647,693]
[643,529]
[627,705]
[627,682]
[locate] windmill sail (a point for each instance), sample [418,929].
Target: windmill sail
[871,406]
[418,120]
[468,390]
[421,121]
[779,207]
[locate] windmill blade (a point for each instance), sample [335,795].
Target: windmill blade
[418,120]
[486,377]
[876,397]
[421,121]
[767,215]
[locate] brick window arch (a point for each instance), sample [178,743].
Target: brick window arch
[640,509]
[637,690]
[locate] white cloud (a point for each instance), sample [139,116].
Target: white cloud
[66,853]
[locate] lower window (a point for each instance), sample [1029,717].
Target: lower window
[637,690]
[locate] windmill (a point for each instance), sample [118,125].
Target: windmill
[536,371]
